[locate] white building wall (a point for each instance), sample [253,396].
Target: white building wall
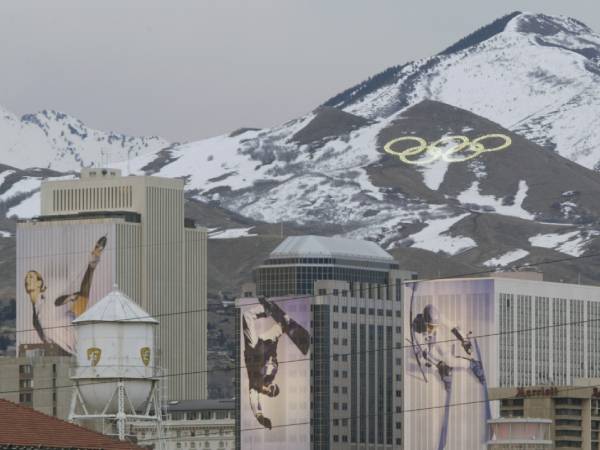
[549,330]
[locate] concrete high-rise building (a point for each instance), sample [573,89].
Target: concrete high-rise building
[345,390]
[105,229]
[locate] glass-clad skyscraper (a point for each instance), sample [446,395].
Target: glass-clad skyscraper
[299,261]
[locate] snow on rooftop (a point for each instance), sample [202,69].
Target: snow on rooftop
[115,307]
[320,246]
[231,233]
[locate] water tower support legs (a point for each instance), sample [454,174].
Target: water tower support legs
[121,409]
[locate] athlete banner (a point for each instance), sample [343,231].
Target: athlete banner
[275,373]
[62,270]
[449,361]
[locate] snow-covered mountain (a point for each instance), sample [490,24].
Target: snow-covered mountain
[54,140]
[328,171]
[535,74]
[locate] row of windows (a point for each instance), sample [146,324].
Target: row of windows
[370,311]
[107,197]
[202,415]
[280,281]
[332,261]
[529,324]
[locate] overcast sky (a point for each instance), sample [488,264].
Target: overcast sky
[186,70]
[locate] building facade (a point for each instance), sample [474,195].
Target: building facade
[520,434]
[193,424]
[344,391]
[38,381]
[469,337]
[105,229]
[573,411]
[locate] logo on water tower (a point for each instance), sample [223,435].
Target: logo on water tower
[93,355]
[145,354]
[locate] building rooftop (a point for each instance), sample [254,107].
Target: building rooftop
[330,247]
[23,427]
[200,405]
[115,307]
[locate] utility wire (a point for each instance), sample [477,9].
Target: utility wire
[307,296]
[381,349]
[379,414]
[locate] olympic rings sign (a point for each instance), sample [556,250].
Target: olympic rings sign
[461,148]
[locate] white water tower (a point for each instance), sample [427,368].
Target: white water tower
[116,378]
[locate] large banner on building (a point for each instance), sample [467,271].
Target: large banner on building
[62,270]
[275,373]
[448,363]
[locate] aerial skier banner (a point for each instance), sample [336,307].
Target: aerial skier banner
[449,363]
[62,270]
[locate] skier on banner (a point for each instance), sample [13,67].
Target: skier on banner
[260,351]
[425,329]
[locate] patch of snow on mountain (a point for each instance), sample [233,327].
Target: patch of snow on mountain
[434,173]
[28,208]
[551,240]
[506,258]
[4,175]
[574,247]
[434,237]
[472,196]
[5,234]
[232,233]
[23,186]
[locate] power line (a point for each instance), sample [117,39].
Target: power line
[381,349]
[379,414]
[306,296]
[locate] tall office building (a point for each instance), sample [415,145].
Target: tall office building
[105,229]
[493,337]
[330,326]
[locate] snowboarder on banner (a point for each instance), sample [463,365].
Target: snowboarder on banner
[260,351]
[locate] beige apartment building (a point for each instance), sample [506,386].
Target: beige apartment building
[105,229]
[40,382]
[574,411]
